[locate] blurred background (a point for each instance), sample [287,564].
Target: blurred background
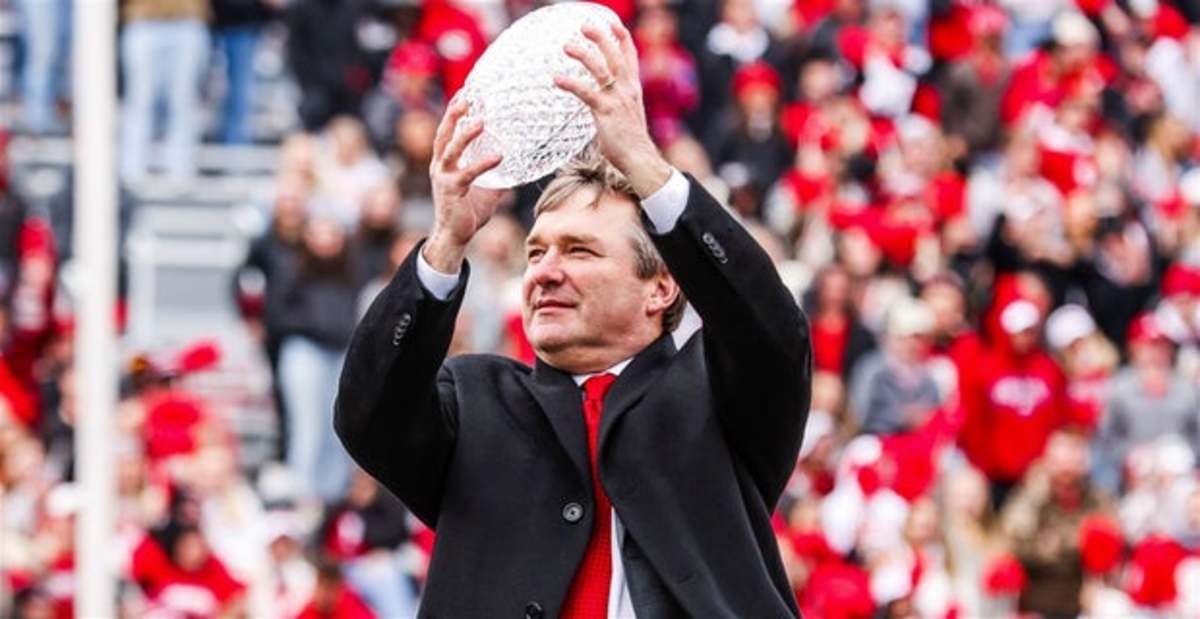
[989,209]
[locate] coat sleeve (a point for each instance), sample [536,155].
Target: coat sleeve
[396,412]
[755,337]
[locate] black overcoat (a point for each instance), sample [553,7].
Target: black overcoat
[696,445]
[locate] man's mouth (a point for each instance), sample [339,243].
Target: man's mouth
[551,304]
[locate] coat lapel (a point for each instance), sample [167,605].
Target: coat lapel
[562,402]
[633,382]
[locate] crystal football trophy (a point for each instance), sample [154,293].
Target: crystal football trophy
[535,125]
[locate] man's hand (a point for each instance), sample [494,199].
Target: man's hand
[460,209]
[617,107]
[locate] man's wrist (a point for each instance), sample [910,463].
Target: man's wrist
[445,256]
[647,171]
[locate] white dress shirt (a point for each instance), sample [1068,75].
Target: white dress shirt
[663,208]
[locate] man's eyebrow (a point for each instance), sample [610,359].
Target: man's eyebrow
[580,238]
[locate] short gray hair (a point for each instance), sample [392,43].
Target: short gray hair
[592,171]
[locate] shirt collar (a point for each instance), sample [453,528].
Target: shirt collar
[614,370]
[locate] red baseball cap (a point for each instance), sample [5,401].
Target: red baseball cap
[1145,328]
[756,74]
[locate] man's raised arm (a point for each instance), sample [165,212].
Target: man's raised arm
[755,337]
[396,412]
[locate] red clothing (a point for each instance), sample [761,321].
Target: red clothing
[344,539]
[1151,577]
[1093,7]
[854,40]
[1169,22]
[829,345]
[950,36]
[17,397]
[458,38]
[670,90]
[171,420]
[802,121]
[807,190]
[1068,163]
[927,102]
[1012,406]
[625,9]
[838,590]
[1038,81]
[199,593]
[1085,400]
[521,348]
[889,227]
[945,195]
[964,351]
[31,320]
[347,605]
[807,13]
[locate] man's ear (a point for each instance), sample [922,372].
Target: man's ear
[664,293]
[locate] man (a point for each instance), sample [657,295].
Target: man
[517,467]
[893,391]
[1147,399]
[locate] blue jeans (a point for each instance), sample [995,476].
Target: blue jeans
[45,30]
[383,583]
[1024,36]
[162,58]
[237,44]
[308,376]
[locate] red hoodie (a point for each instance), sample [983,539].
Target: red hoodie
[194,593]
[1012,405]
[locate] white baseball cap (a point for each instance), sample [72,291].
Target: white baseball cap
[909,317]
[1019,316]
[1068,324]
[1072,28]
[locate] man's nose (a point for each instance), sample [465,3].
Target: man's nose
[548,270]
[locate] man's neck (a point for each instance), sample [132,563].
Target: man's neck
[614,370]
[589,361]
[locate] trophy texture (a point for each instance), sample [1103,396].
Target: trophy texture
[535,125]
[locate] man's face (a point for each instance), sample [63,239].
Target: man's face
[582,300]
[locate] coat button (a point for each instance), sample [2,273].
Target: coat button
[572,512]
[401,328]
[533,610]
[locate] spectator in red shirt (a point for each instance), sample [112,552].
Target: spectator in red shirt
[333,599]
[839,337]
[179,575]
[1015,402]
[1046,78]
[670,85]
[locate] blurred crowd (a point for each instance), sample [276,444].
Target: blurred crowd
[989,209]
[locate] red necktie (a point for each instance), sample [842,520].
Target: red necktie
[588,597]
